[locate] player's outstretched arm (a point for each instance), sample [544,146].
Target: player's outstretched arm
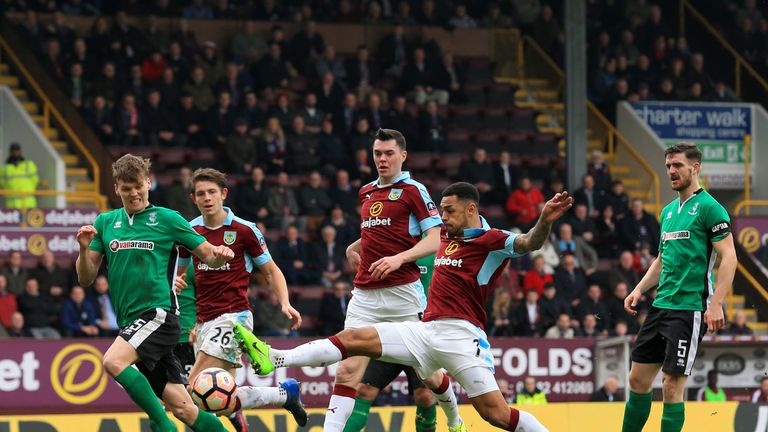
[728,263]
[88,261]
[276,281]
[425,247]
[213,256]
[650,280]
[536,236]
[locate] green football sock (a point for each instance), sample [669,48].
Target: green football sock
[426,418]
[207,422]
[359,417]
[138,388]
[673,417]
[636,411]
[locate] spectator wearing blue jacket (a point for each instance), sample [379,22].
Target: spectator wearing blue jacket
[78,318]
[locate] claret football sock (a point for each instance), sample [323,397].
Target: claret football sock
[316,353]
[359,417]
[426,418]
[673,417]
[207,422]
[448,402]
[255,397]
[636,412]
[138,388]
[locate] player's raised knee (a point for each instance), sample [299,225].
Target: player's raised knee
[423,397]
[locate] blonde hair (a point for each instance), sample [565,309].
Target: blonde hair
[501,303]
[130,168]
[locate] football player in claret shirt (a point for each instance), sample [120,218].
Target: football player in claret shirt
[451,335]
[140,243]
[222,299]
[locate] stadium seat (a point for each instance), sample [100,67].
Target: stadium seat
[419,161]
[449,164]
[522,119]
[172,157]
[465,117]
[501,95]
[496,118]
[475,92]
[458,141]
[489,140]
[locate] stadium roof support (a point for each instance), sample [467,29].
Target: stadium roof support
[576,89]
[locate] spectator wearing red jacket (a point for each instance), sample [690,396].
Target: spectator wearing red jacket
[7,303]
[536,277]
[522,204]
[152,68]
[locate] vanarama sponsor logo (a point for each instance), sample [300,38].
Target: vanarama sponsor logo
[445,261]
[675,235]
[116,245]
[374,222]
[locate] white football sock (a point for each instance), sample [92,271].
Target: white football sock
[255,397]
[316,353]
[448,402]
[528,423]
[339,408]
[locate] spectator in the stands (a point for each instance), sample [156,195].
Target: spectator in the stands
[345,118]
[588,327]
[328,62]
[106,319]
[248,44]
[362,170]
[362,73]
[8,305]
[551,305]
[170,92]
[77,316]
[478,171]
[615,306]
[305,46]
[330,149]
[178,194]
[343,193]
[522,204]
[330,94]
[571,281]
[696,73]
[593,305]
[711,392]
[504,177]
[582,225]
[745,40]
[271,321]
[450,76]
[739,326]
[546,29]
[562,328]
[53,60]
[283,110]
[275,146]
[399,117]
[723,94]
[327,256]
[39,313]
[608,240]
[221,118]
[627,48]
[620,328]
[201,92]
[590,195]
[527,316]
[404,16]
[291,252]
[640,227]
[18,329]
[347,230]
[419,80]
[135,85]
[191,121]
[50,276]
[233,84]
[100,118]
[333,309]
[604,81]
[177,60]
[362,136]
[152,68]
[373,112]
[75,86]
[500,322]
[282,204]
[642,72]
[667,90]
[433,129]
[551,258]
[314,202]
[394,52]
[761,394]
[241,148]
[625,271]
[272,72]
[312,115]
[617,199]
[155,39]
[599,171]
[568,244]
[609,392]
[302,148]
[160,125]
[226,10]
[253,113]
[495,18]
[130,123]
[460,19]
[252,197]
[536,277]
[198,9]
[15,274]
[107,84]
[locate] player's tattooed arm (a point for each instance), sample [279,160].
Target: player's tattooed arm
[552,211]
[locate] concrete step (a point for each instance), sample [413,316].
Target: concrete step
[38,119]
[620,169]
[70,159]
[84,186]
[20,94]
[76,172]
[31,107]
[636,194]
[594,144]
[51,134]
[9,80]
[631,181]
[59,145]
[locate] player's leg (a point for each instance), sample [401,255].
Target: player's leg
[683,331]
[440,385]
[178,400]
[494,409]
[348,375]
[377,375]
[647,356]
[117,362]
[426,406]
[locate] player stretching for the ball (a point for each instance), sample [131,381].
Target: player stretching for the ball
[469,259]
[379,374]
[140,242]
[222,295]
[695,228]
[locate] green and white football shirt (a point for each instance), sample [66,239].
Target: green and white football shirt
[688,230]
[142,254]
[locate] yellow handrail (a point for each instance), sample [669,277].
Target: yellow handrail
[747,203]
[739,59]
[740,267]
[49,108]
[99,201]
[547,59]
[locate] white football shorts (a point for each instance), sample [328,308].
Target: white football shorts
[216,338]
[456,345]
[393,304]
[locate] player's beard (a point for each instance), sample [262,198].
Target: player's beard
[683,182]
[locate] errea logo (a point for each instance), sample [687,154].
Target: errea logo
[116,245]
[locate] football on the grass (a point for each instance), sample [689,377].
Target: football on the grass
[214,390]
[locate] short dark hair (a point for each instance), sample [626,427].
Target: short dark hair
[211,175]
[391,134]
[688,149]
[463,191]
